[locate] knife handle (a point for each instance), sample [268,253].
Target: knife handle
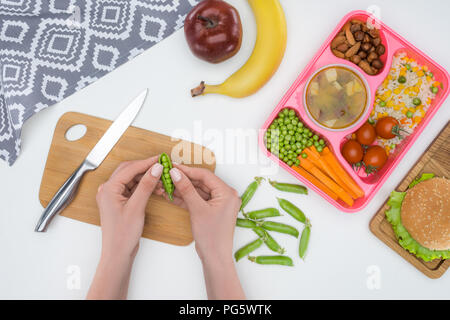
[63,197]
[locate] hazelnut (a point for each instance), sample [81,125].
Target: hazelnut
[381,49]
[359,35]
[377,64]
[366,46]
[372,56]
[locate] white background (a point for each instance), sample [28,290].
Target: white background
[342,248]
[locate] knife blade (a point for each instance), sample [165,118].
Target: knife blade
[68,190]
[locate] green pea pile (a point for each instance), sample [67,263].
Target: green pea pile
[288,136]
[255,220]
[165,161]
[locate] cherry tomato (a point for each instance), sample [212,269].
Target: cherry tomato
[375,158]
[387,127]
[366,134]
[352,151]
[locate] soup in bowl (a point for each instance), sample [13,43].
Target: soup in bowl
[336,97]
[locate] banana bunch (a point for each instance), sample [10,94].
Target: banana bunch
[266,56]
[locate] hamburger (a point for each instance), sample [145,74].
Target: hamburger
[420,217]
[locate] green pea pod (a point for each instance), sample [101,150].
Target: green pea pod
[279,227]
[247,249]
[304,240]
[279,260]
[249,192]
[295,212]
[261,214]
[245,223]
[289,187]
[167,182]
[268,240]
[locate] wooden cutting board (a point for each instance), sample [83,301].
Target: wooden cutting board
[164,221]
[436,159]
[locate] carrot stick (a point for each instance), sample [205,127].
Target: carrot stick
[311,168]
[345,177]
[305,174]
[318,159]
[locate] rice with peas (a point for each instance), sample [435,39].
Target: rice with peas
[405,94]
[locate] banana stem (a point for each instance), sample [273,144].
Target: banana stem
[203,89]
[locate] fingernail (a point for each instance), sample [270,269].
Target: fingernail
[175,174]
[156,170]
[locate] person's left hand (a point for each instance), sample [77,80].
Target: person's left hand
[122,201]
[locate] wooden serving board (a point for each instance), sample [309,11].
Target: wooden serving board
[436,159]
[164,221]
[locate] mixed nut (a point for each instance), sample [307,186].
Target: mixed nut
[357,43]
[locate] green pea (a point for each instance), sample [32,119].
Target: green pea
[408,66]
[304,155]
[300,125]
[309,143]
[268,240]
[280,227]
[250,191]
[278,260]
[316,137]
[247,249]
[371,121]
[263,213]
[417,101]
[166,180]
[382,104]
[289,187]
[304,241]
[321,142]
[401,79]
[434,89]
[319,149]
[409,114]
[295,212]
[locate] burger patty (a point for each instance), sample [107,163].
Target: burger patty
[425,213]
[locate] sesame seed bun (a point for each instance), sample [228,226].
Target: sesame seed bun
[425,213]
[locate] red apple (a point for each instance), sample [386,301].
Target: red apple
[213,30]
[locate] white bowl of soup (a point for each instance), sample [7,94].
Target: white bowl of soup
[336,97]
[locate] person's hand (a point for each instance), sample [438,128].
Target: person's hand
[213,207]
[122,201]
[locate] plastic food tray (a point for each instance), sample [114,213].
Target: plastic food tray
[294,99]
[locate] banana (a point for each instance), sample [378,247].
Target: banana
[266,56]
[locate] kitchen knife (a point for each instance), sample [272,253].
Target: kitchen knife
[67,192]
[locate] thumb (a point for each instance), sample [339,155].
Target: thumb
[144,189]
[186,189]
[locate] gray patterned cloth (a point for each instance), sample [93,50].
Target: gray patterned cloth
[50,49]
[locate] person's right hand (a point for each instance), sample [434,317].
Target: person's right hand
[213,206]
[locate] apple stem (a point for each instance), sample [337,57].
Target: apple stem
[209,22]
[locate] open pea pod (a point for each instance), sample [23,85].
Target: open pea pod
[166,180]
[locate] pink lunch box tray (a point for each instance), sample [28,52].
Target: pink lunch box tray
[294,99]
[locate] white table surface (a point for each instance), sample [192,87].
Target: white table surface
[342,253]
